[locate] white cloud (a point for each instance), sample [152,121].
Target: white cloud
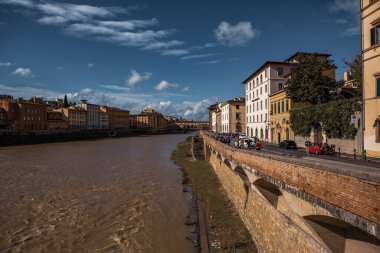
[185,89]
[341,21]
[163,85]
[207,62]
[59,13]
[130,24]
[5,64]
[177,52]
[137,77]
[350,31]
[235,35]
[90,65]
[27,92]
[351,21]
[101,24]
[163,45]
[207,45]
[24,3]
[52,20]
[196,110]
[24,72]
[196,56]
[115,87]
[352,6]
[112,35]
[82,30]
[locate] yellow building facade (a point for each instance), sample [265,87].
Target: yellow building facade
[280,117]
[117,118]
[370,20]
[149,119]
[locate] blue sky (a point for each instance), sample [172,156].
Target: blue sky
[177,56]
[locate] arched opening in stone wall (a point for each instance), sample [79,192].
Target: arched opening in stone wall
[342,237]
[219,156]
[241,173]
[247,184]
[227,163]
[268,190]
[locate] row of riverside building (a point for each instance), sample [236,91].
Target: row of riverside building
[37,114]
[264,111]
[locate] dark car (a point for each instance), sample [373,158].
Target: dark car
[288,144]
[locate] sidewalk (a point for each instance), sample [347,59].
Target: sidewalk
[344,157]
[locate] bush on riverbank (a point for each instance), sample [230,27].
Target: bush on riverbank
[231,232]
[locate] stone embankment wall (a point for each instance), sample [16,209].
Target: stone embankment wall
[271,230]
[277,216]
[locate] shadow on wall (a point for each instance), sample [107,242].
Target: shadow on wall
[342,237]
[269,191]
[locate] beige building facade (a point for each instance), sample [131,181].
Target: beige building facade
[55,121]
[232,116]
[370,20]
[75,117]
[92,114]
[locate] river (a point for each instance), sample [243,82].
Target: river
[108,195]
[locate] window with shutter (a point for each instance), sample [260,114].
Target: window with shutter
[375,35]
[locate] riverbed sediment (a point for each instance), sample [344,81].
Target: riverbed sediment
[224,229]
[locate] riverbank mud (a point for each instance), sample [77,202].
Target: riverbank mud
[223,228]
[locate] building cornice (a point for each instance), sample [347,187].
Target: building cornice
[267,63]
[368,6]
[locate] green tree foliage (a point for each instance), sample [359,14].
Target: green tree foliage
[334,116]
[308,82]
[65,102]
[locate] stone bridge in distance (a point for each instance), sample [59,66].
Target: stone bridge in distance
[294,205]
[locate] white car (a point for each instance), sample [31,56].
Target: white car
[242,136]
[247,143]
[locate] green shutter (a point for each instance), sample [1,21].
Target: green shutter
[373,36]
[378,86]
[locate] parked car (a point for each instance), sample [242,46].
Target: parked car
[242,136]
[316,149]
[247,143]
[286,144]
[254,139]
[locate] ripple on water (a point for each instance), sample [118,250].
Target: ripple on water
[93,197]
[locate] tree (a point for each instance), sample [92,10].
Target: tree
[355,67]
[309,81]
[65,102]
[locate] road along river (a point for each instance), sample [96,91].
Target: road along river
[108,195]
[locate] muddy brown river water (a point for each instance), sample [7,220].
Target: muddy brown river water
[109,195]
